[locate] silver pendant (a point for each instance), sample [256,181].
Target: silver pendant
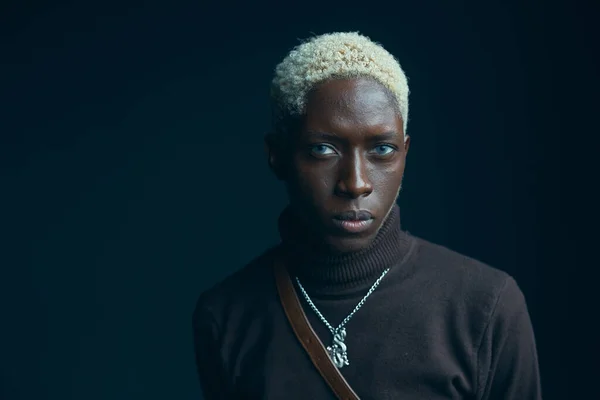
[338,350]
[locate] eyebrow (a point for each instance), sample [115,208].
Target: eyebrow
[387,135]
[322,135]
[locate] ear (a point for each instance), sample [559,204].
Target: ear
[406,144]
[274,151]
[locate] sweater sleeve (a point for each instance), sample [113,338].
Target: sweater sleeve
[507,357]
[208,359]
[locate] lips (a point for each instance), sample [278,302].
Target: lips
[354,215]
[353,221]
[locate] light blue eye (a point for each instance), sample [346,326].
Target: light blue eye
[383,150]
[322,150]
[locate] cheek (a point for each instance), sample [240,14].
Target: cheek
[316,183]
[313,181]
[388,180]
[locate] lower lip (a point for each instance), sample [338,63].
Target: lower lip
[353,226]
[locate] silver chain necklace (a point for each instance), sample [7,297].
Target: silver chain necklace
[338,351]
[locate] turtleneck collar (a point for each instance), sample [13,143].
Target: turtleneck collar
[321,270]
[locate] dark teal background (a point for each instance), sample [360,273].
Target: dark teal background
[133,175]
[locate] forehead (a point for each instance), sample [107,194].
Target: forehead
[352,107]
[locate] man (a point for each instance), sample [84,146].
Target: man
[402,318]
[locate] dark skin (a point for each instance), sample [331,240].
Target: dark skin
[348,154]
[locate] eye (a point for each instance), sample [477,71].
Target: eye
[322,150]
[384,150]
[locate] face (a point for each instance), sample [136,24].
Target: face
[343,168]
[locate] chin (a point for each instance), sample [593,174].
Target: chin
[349,244]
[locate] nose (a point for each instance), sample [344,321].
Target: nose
[354,180]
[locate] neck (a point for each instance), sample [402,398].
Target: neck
[326,271]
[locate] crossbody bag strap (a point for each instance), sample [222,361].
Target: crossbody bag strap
[307,336]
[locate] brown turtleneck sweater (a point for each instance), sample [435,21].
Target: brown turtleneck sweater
[439,326]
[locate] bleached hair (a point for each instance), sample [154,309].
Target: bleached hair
[334,56]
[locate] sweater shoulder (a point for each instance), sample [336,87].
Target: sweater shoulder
[455,266]
[461,280]
[248,285]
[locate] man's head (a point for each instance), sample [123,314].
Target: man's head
[339,140]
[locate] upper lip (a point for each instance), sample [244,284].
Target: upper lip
[354,215]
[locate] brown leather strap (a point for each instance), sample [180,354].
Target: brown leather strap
[307,336]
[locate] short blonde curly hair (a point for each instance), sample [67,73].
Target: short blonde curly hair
[336,55]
